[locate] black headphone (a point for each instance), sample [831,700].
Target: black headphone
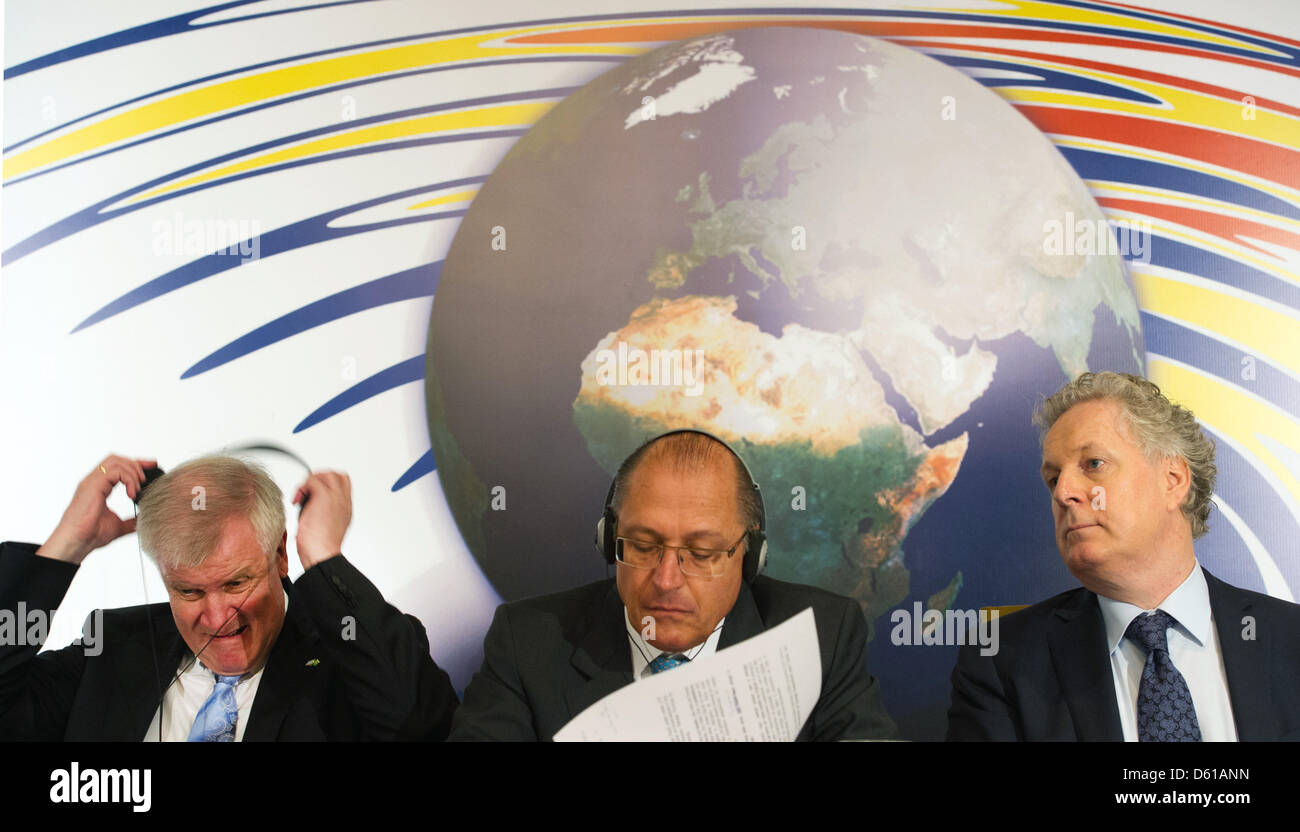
[755,539]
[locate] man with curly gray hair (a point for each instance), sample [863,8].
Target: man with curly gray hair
[1153,647]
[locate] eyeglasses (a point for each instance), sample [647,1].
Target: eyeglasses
[696,562]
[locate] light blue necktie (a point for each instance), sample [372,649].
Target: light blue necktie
[216,719]
[665,661]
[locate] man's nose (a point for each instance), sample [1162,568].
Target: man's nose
[668,574]
[1070,488]
[216,613]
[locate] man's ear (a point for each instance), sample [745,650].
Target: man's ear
[1177,478]
[282,556]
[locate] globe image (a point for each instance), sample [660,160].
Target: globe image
[839,255]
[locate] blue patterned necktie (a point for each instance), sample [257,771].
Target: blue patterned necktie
[215,721]
[667,661]
[1165,710]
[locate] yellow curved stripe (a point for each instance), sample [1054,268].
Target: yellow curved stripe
[1260,329]
[459,196]
[240,92]
[506,114]
[1121,23]
[262,86]
[1232,413]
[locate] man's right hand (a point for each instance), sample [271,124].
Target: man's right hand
[88,523]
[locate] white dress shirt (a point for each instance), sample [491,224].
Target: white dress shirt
[182,701]
[643,652]
[1193,649]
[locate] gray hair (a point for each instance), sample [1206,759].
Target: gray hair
[182,514]
[1162,429]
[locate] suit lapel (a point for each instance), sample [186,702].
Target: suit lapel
[145,671]
[287,676]
[1247,670]
[743,621]
[1077,643]
[602,657]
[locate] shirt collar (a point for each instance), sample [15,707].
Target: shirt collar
[1189,605]
[643,652]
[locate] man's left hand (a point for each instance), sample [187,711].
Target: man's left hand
[325,518]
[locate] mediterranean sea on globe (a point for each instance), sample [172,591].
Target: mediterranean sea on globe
[841,256]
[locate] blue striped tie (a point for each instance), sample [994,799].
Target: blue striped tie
[215,721]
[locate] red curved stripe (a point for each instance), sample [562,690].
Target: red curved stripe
[1230,229]
[1256,158]
[667,32]
[1128,72]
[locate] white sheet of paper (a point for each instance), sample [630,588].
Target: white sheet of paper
[762,689]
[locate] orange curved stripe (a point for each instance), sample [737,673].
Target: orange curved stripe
[1237,153]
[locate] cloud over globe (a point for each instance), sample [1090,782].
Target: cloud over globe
[827,249]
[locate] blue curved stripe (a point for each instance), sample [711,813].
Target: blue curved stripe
[1225,553]
[1261,509]
[423,465]
[296,235]
[418,282]
[1045,78]
[165,27]
[1154,15]
[1198,261]
[95,214]
[404,372]
[1112,167]
[1203,352]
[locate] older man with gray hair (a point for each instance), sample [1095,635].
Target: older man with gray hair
[237,653]
[1153,647]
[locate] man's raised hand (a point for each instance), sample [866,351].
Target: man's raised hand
[88,523]
[325,517]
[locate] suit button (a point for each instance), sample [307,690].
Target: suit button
[344,591]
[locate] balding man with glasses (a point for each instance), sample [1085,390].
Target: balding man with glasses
[683,525]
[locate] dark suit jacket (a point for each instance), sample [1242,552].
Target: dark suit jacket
[1051,678]
[381,685]
[546,659]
